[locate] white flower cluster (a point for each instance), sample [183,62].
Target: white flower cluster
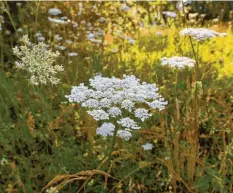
[124,134]
[95,37]
[40,37]
[142,114]
[201,34]
[54,11]
[169,14]
[128,123]
[98,114]
[114,111]
[178,62]
[147,146]
[106,129]
[38,62]
[57,21]
[71,54]
[112,98]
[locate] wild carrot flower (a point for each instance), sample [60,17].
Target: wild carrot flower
[106,129]
[179,4]
[117,100]
[98,114]
[114,111]
[64,18]
[147,146]
[124,134]
[38,34]
[169,14]
[41,39]
[37,61]
[57,21]
[60,47]
[142,114]
[128,123]
[127,104]
[20,30]
[54,11]
[19,4]
[178,62]
[201,34]
[72,54]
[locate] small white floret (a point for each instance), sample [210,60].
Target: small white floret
[147,146]
[126,135]
[106,129]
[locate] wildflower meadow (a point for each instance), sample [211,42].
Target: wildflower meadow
[116,96]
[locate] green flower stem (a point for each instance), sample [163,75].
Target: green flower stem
[176,97]
[113,144]
[103,162]
[197,70]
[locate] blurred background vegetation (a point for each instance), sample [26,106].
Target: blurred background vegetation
[43,136]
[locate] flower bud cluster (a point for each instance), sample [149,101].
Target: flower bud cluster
[38,61]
